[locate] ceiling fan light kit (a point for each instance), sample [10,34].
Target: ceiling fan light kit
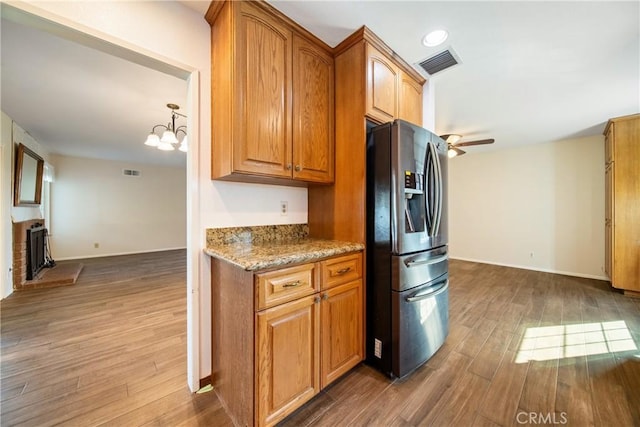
[452,144]
[169,137]
[451,138]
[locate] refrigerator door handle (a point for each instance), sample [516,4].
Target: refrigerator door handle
[426,261]
[428,294]
[428,191]
[439,188]
[437,182]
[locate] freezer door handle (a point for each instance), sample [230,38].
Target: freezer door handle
[430,293]
[426,261]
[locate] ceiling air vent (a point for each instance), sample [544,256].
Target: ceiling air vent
[440,61]
[130,172]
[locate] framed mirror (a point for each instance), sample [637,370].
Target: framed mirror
[27,184]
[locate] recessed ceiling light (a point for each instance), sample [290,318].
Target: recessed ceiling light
[434,38]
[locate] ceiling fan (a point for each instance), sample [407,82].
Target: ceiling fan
[453,144]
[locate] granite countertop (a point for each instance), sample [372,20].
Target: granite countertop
[263,247]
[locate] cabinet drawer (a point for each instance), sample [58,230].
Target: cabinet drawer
[340,270]
[287,284]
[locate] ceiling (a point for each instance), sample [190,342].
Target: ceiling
[78,101]
[530,72]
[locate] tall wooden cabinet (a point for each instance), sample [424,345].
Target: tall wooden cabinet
[622,203]
[272,97]
[373,84]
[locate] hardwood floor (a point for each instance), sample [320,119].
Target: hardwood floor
[110,349]
[524,348]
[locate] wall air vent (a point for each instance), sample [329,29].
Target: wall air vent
[130,172]
[440,61]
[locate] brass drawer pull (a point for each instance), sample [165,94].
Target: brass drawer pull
[343,270]
[292,284]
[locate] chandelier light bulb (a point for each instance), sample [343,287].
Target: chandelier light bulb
[152,140]
[169,137]
[183,145]
[166,146]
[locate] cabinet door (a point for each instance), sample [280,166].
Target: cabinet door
[313,135]
[263,88]
[382,86]
[410,102]
[287,358]
[342,344]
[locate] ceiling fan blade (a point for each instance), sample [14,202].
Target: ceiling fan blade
[478,142]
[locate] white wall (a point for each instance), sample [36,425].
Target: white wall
[544,199]
[12,134]
[6,188]
[135,24]
[93,202]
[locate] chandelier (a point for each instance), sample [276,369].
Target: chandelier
[170,135]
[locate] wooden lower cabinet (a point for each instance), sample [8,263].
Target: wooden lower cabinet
[342,341]
[287,358]
[308,323]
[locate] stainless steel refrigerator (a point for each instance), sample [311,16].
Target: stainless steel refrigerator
[407,259]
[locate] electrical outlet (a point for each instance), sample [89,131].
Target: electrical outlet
[284,208]
[377,348]
[96,245]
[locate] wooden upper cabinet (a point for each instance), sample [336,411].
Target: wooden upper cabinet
[391,92]
[410,100]
[263,143]
[272,97]
[382,86]
[313,113]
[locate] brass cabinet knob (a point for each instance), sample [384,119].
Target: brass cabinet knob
[298,168]
[325,297]
[289,167]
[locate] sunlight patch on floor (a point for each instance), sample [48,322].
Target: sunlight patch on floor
[581,339]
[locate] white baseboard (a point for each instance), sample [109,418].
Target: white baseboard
[526,267]
[117,254]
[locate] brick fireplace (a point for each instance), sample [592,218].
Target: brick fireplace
[20,251]
[62,274]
